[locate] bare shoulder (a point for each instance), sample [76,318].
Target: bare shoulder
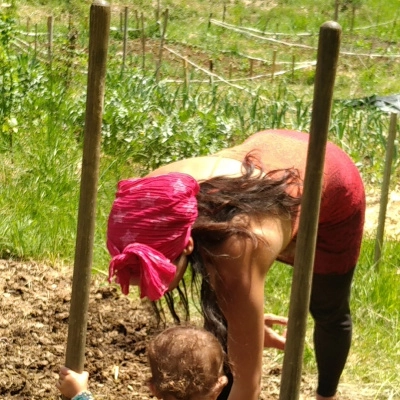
[243,255]
[274,233]
[202,168]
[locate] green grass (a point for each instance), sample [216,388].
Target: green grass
[375,298]
[148,122]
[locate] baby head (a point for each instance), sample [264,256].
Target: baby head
[186,364]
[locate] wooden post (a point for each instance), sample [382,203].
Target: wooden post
[273,65]
[186,74]
[137,19]
[160,53]
[157,13]
[293,66]
[143,43]
[36,41]
[336,14]
[98,47]
[211,68]
[353,17]
[385,189]
[125,39]
[50,38]
[251,66]
[328,53]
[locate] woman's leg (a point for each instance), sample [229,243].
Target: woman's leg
[330,308]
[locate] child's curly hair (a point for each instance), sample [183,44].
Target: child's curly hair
[185,361]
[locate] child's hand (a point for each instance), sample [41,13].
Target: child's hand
[271,337]
[71,383]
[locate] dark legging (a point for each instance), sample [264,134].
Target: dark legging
[329,306]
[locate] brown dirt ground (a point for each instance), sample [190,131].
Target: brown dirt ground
[34,309]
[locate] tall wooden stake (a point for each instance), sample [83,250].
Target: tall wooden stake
[385,190]
[125,39]
[160,52]
[50,31]
[328,54]
[98,47]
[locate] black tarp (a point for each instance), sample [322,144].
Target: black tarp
[389,104]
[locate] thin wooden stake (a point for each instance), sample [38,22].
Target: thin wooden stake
[98,47]
[385,190]
[36,41]
[125,40]
[293,66]
[50,38]
[336,14]
[186,73]
[143,43]
[137,19]
[157,11]
[353,17]
[211,68]
[273,65]
[160,53]
[328,53]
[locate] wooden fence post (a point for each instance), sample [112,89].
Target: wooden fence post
[293,66]
[273,65]
[385,190]
[160,53]
[125,39]
[157,12]
[36,41]
[186,74]
[251,66]
[143,37]
[336,13]
[98,47]
[328,53]
[50,28]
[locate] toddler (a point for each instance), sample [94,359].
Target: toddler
[186,363]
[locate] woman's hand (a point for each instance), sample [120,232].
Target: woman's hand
[271,337]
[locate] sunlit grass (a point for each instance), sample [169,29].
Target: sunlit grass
[376,315]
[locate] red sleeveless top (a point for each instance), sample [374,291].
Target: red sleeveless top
[342,209]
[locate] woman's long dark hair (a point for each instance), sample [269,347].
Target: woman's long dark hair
[255,193]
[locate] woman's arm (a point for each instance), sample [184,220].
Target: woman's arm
[239,285]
